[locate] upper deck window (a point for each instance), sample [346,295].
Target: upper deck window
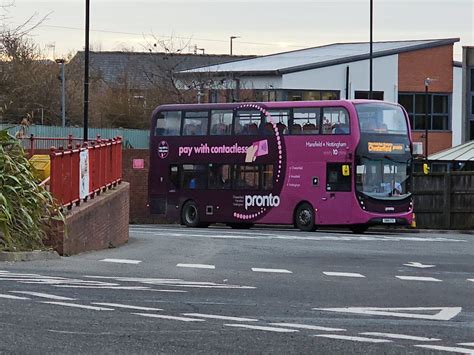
[168,123]
[278,117]
[381,118]
[247,122]
[335,121]
[195,123]
[221,122]
[305,121]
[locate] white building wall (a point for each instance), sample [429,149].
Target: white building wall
[385,78]
[456,121]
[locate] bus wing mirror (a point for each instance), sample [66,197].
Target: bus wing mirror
[426,168]
[346,170]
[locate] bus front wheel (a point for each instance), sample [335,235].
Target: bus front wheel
[304,218]
[190,215]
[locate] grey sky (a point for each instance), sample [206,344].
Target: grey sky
[265,26]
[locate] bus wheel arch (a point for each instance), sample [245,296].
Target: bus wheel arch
[304,217]
[190,215]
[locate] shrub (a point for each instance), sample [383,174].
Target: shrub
[26,209]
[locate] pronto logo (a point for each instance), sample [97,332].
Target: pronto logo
[261,201]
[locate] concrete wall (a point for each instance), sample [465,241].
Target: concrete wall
[334,78]
[99,223]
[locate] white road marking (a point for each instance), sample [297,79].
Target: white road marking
[183,319]
[418,278]
[472,280]
[122,261]
[258,327]
[118,305]
[212,316]
[343,274]
[346,337]
[258,235]
[78,306]
[418,265]
[197,266]
[44,295]
[282,271]
[466,344]
[131,288]
[11,297]
[305,326]
[444,313]
[399,336]
[447,348]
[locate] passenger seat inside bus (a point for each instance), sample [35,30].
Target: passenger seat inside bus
[295,129]
[309,128]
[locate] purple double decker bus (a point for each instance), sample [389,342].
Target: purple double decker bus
[307,164]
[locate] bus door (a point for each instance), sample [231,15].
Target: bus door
[336,202]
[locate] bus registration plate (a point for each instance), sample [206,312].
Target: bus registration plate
[388,220]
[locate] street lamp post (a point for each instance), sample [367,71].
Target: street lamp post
[427,84]
[63,91]
[86,75]
[232,38]
[371,56]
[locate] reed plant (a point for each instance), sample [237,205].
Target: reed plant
[27,210]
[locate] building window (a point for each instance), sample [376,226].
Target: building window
[296,95]
[438,110]
[472,80]
[364,95]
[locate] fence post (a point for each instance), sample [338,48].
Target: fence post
[447,199]
[32,144]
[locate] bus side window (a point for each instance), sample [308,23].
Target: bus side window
[221,122]
[279,118]
[335,120]
[193,176]
[219,177]
[246,177]
[335,179]
[195,123]
[267,177]
[305,121]
[247,122]
[168,123]
[174,177]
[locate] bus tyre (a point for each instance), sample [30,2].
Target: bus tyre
[359,228]
[304,218]
[190,214]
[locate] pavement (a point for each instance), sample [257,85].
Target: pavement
[265,290]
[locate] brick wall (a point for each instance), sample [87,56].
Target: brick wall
[436,63]
[99,223]
[437,141]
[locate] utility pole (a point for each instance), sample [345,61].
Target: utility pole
[427,84]
[371,56]
[63,92]
[86,75]
[232,38]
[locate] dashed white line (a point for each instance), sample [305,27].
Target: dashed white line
[258,327]
[118,305]
[466,344]
[447,348]
[44,295]
[212,316]
[73,305]
[130,288]
[359,339]
[197,266]
[418,278]
[343,274]
[472,280]
[183,319]
[399,336]
[11,297]
[306,326]
[282,271]
[122,261]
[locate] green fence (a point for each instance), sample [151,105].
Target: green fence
[132,138]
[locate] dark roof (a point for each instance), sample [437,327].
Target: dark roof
[318,57]
[142,69]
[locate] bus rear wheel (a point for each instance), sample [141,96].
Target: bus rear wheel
[304,218]
[190,215]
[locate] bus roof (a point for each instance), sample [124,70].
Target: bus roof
[268,105]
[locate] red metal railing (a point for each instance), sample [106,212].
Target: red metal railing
[33,143]
[102,169]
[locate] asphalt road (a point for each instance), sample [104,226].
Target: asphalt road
[263,290]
